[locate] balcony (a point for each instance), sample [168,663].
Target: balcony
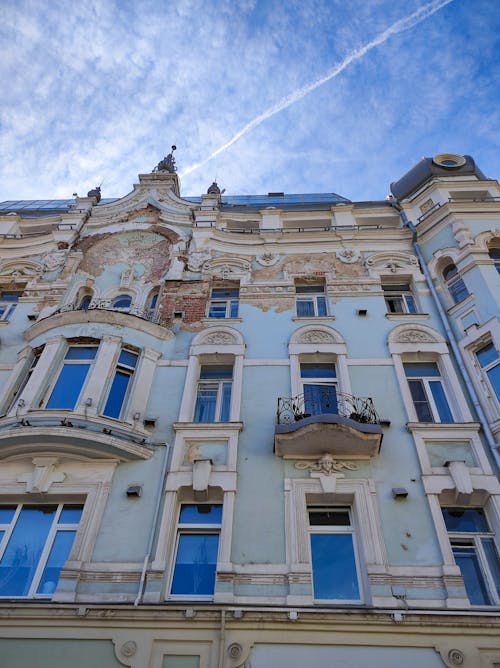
[308,426]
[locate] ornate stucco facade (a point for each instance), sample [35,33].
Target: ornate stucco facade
[252,430]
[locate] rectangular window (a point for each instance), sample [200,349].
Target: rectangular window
[196,551]
[35,543]
[213,398]
[333,555]
[121,383]
[399,298]
[473,545]
[427,391]
[310,301]
[72,377]
[319,388]
[224,302]
[489,361]
[8,302]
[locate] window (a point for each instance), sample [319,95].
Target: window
[151,306]
[319,388]
[122,302]
[84,303]
[456,287]
[310,301]
[494,254]
[118,392]
[72,377]
[333,555]
[213,398]
[489,361]
[426,388]
[196,550]
[35,543]
[399,298]
[473,545]
[8,302]
[224,302]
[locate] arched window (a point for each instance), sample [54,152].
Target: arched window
[456,287]
[84,302]
[151,305]
[494,254]
[122,302]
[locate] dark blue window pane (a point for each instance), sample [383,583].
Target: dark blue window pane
[494,378]
[420,369]
[233,311]
[458,290]
[320,370]
[122,301]
[195,565]
[422,406]
[305,308]
[6,514]
[320,399]
[463,520]
[217,310]
[58,556]
[85,303]
[22,554]
[449,272]
[221,293]
[321,302]
[410,303]
[216,372]
[203,513]
[70,515]
[475,586]
[117,394]
[81,353]
[334,567]
[206,401]
[68,386]
[127,358]
[440,401]
[333,518]
[309,289]
[226,402]
[487,355]
[493,561]
[9,297]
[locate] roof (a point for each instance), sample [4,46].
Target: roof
[30,207]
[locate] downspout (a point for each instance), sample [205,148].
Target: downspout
[451,336]
[222,638]
[159,498]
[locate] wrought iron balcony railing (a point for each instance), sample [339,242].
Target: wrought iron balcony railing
[327,401]
[107,305]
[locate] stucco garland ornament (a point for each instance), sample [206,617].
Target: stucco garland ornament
[316,336]
[348,255]
[267,259]
[219,338]
[415,336]
[53,260]
[327,465]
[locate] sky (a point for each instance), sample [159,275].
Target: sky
[299,96]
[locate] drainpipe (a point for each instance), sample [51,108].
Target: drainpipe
[159,498]
[222,638]
[451,336]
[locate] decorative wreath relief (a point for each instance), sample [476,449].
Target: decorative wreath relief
[129,648]
[267,259]
[235,651]
[456,657]
[348,255]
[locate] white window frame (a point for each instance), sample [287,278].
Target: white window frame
[90,362]
[194,529]
[495,395]
[452,281]
[324,382]
[311,297]
[426,380]
[223,302]
[402,292]
[49,541]
[337,530]
[131,372]
[220,384]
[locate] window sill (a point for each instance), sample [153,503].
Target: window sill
[215,321]
[407,316]
[3,323]
[313,318]
[208,425]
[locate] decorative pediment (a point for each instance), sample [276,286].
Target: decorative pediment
[227,268]
[392,262]
[225,336]
[219,338]
[415,335]
[317,334]
[416,338]
[20,270]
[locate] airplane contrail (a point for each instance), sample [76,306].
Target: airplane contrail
[403,24]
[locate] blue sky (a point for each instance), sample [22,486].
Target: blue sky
[98,91]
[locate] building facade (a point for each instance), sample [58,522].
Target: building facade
[252,430]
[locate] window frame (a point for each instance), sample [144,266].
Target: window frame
[426,381]
[402,292]
[117,298]
[221,383]
[488,367]
[123,369]
[313,294]
[455,284]
[75,362]
[55,528]
[475,539]
[336,530]
[196,529]
[494,255]
[228,304]
[8,306]
[316,381]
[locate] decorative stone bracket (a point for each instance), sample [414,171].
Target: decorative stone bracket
[201,476]
[43,475]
